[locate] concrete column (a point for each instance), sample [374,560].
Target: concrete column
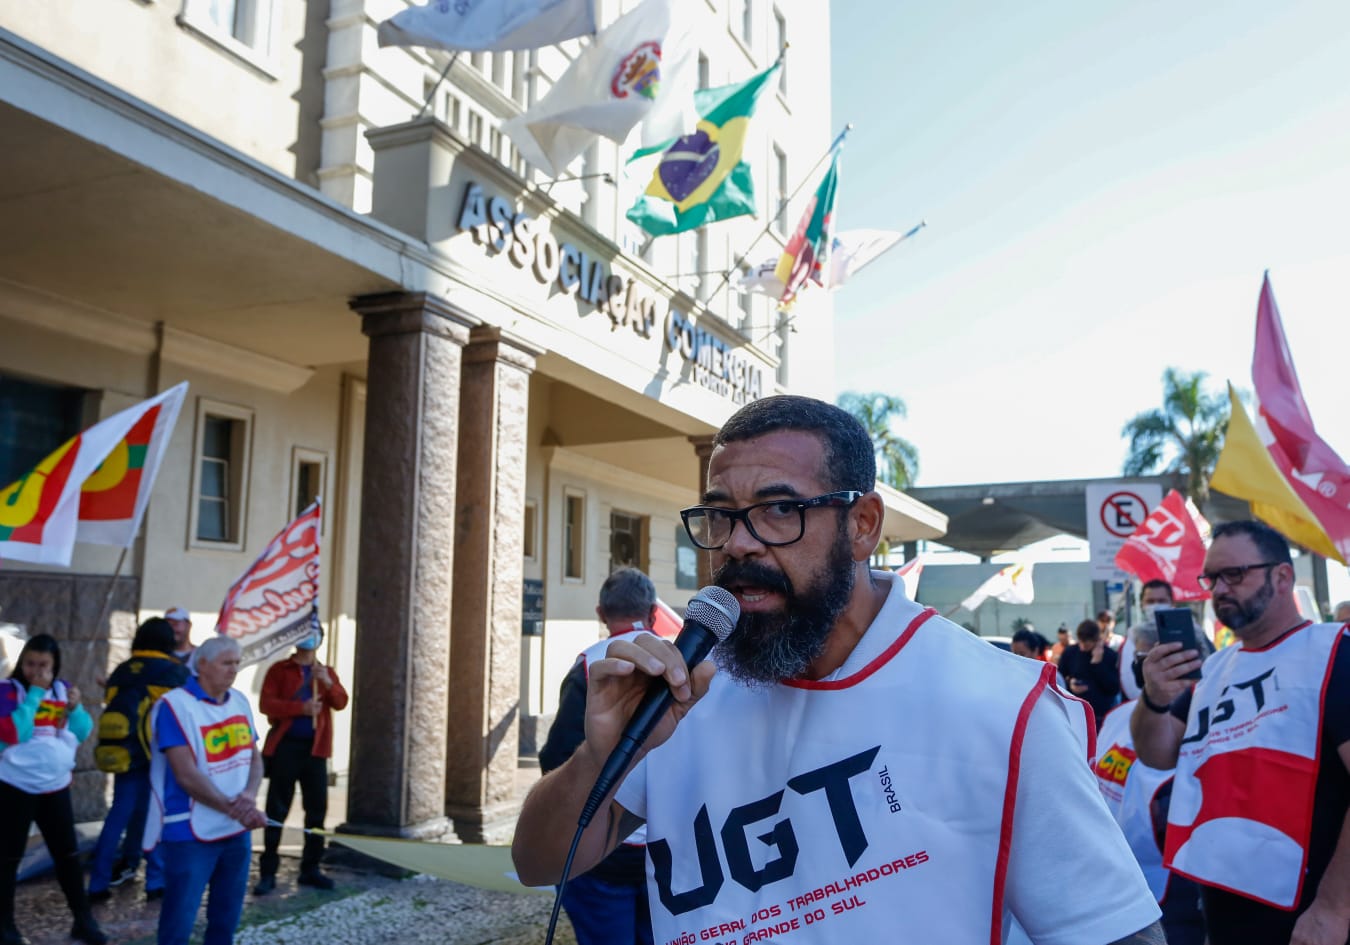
[405,564]
[484,698]
[703,447]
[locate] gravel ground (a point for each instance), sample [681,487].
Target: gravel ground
[365,908]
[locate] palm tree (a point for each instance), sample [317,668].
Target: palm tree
[897,457]
[1184,437]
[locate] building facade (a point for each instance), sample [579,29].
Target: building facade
[500,387]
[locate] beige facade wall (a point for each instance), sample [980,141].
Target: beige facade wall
[324,417]
[265,101]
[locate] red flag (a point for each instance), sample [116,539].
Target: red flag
[668,622]
[1316,473]
[275,603]
[1168,545]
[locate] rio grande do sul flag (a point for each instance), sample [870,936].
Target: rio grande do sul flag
[807,252]
[1169,545]
[276,601]
[114,497]
[40,513]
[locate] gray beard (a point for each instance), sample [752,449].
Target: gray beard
[765,648]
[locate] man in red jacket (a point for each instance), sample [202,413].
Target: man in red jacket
[298,698]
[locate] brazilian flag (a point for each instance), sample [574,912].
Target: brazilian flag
[701,177]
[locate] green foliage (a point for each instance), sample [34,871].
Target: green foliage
[897,457]
[1184,436]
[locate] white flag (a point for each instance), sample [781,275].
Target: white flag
[1012,585]
[488,25]
[762,279]
[637,71]
[854,249]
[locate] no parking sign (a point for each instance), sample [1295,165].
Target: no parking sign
[1114,511]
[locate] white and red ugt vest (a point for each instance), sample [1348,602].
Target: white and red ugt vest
[1248,767]
[1129,786]
[873,806]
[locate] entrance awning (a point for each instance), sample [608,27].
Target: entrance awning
[115,208]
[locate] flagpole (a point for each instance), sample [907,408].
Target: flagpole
[112,586]
[444,72]
[741,257]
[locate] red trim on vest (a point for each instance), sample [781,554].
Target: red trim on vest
[1278,640]
[882,659]
[1089,717]
[1010,801]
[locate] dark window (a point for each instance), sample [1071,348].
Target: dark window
[34,420]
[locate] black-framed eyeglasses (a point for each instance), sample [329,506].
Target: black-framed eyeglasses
[779,522]
[1231,576]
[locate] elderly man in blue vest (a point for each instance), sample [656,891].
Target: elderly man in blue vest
[205,774]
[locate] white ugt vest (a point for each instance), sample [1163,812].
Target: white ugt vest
[1129,786]
[875,806]
[222,744]
[1248,764]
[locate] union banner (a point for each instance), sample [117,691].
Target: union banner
[275,603]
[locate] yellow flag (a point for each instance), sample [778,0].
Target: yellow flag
[1247,471]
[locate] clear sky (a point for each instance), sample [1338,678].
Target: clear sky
[1104,183]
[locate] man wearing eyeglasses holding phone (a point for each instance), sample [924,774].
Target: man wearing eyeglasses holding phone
[1262,751]
[837,780]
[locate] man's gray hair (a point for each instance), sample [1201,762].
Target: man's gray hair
[627,594]
[1144,634]
[1343,605]
[215,646]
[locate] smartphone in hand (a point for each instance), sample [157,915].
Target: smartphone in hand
[1177,625]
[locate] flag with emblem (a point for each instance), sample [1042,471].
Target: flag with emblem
[488,25]
[638,72]
[1012,585]
[114,497]
[807,253]
[1169,545]
[701,177]
[40,513]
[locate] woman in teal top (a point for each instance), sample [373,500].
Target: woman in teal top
[41,725]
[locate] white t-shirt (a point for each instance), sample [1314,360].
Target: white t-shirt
[1061,831]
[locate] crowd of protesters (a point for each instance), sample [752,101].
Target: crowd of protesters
[184,754]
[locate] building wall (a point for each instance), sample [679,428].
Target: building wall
[165,565]
[262,101]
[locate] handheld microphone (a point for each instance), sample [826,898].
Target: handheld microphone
[710,617]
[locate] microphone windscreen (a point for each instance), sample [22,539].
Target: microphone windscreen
[717,609]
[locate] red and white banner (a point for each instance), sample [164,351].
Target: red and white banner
[40,514]
[1169,545]
[1316,473]
[275,603]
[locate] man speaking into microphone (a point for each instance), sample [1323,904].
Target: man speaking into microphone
[848,766]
